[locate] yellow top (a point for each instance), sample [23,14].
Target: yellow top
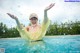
[36,35]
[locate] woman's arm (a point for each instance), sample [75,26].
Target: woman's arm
[45,17]
[45,12]
[46,21]
[16,19]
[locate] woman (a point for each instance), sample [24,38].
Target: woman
[34,32]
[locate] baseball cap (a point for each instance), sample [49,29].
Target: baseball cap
[33,15]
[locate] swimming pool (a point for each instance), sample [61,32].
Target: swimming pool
[57,44]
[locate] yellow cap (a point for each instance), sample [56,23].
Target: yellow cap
[33,15]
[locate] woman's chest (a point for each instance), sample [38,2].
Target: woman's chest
[34,29]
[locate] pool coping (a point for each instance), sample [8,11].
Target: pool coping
[45,36]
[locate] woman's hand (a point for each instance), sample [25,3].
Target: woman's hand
[49,7]
[12,16]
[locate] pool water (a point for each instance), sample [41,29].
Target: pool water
[61,44]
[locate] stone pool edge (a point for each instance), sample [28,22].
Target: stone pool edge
[45,36]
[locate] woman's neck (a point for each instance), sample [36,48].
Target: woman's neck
[34,25]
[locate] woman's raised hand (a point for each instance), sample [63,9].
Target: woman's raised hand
[49,7]
[12,16]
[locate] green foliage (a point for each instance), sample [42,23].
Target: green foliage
[8,32]
[72,28]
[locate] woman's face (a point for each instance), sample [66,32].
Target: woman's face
[33,20]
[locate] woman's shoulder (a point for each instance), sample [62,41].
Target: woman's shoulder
[27,28]
[39,25]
